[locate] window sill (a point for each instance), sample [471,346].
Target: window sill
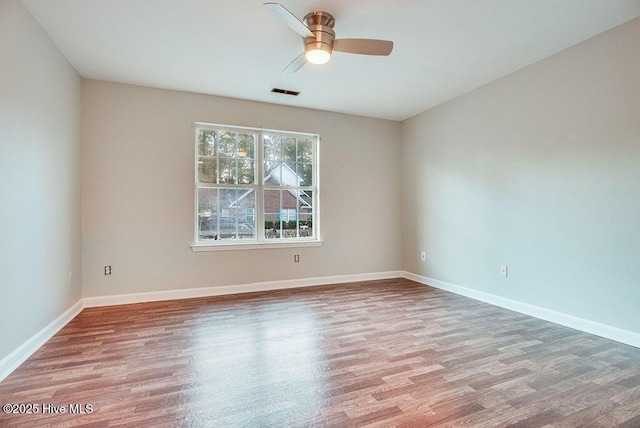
[199,246]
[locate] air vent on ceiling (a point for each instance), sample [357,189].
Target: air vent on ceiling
[285,92]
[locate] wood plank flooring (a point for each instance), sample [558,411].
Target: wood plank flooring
[379,353]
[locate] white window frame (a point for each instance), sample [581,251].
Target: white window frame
[261,241]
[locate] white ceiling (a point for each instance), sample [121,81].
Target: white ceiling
[237,48]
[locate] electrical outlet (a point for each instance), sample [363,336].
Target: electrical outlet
[503,271]
[423,256]
[296,258]
[107,270]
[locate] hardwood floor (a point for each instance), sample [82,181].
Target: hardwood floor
[379,353]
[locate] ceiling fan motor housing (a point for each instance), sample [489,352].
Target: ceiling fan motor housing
[321,25]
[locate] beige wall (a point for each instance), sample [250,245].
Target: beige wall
[539,171]
[138,151]
[40,232]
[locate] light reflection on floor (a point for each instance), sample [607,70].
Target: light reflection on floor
[276,361]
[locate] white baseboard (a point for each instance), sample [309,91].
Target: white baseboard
[609,332]
[188,293]
[24,351]
[11,362]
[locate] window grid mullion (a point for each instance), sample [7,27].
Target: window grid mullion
[259,174]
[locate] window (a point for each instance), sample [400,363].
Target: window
[255,186]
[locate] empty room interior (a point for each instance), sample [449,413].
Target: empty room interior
[320,213]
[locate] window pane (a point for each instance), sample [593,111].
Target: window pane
[249,215]
[273,229]
[246,146]
[289,205]
[288,214]
[272,148]
[289,222]
[272,201]
[289,150]
[305,150]
[272,159]
[271,226]
[207,171]
[227,171]
[206,143]
[246,172]
[305,173]
[227,221]
[305,199]
[228,201]
[289,175]
[273,173]
[305,214]
[245,213]
[207,213]
[306,225]
[226,144]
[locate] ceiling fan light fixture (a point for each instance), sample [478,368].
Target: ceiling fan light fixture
[319,38]
[317,56]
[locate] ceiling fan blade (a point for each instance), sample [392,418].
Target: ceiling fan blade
[363,46]
[289,18]
[296,64]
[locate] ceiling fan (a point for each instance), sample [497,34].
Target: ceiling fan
[319,38]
